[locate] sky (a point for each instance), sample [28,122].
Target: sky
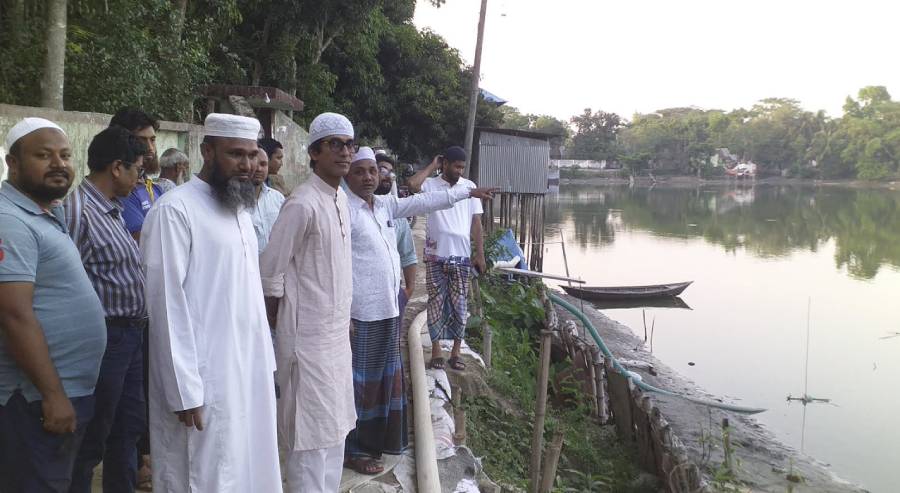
[558,57]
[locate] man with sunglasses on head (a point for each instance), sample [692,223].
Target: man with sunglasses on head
[307,281]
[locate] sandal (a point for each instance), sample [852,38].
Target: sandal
[437,363]
[457,363]
[364,465]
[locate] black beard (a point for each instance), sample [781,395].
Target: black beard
[41,192]
[232,192]
[383,189]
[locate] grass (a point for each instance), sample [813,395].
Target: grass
[500,426]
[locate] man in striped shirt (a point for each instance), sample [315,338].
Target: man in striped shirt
[112,261]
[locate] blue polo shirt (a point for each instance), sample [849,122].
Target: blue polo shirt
[35,248]
[138,204]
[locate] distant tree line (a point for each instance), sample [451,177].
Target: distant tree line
[400,85]
[776,134]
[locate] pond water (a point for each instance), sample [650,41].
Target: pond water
[767,262]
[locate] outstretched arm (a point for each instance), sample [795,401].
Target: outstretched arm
[415,181]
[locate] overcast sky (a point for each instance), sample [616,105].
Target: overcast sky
[560,56]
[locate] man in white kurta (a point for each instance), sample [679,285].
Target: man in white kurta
[212,402]
[306,274]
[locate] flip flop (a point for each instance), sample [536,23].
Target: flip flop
[364,465]
[456,363]
[437,363]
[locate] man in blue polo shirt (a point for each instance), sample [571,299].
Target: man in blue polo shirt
[145,193]
[52,330]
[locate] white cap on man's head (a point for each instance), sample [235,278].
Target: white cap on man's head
[363,154]
[233,126]
[328,124]
[26,126]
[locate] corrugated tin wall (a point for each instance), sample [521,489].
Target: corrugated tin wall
[513,164]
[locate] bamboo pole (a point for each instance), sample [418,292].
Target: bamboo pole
[548,475]
[487,338]
[459,416]
[537,439]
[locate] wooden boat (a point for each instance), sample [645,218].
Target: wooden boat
[598,293]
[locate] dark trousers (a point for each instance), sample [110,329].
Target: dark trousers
[119,415]
[31,459]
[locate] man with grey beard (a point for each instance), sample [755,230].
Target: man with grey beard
[212,402]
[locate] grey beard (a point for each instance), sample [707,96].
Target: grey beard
[233,193]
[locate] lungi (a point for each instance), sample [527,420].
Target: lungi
[379,390]
[447,281]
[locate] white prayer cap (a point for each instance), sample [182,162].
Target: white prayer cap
[328,124]
[362,154]
[26,126]
[235,126]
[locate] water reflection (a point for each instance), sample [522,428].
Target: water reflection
[768,221]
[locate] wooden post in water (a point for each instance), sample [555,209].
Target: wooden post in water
[548,475]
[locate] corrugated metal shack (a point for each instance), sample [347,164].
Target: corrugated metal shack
[517,162]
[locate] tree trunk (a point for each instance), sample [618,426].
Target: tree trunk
[55,63]
[178,22]
[16,20]
[261,51]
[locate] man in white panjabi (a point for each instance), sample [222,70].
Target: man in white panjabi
[212,403]
[306,276]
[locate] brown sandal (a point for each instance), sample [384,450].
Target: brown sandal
[437,363]
[457,363]
[364,465]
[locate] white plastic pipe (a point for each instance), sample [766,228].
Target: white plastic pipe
[426,458]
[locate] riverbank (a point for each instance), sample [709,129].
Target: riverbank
[762,462]
[601,178]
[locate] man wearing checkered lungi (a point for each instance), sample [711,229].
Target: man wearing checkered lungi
[449,254]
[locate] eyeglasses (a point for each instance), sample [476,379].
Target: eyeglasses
[337,145]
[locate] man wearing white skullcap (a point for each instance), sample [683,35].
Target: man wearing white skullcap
[212,401]
[53,325]
[307,281]
[377,369]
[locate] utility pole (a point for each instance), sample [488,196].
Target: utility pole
[473,96]
[55,61]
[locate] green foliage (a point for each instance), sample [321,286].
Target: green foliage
[499,429]
[361,57]
[595,135]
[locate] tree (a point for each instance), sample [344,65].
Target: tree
[595,135]
[53,82]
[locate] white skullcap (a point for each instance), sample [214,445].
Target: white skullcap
[26,126]
[362,154]
[235,126]
[328,124]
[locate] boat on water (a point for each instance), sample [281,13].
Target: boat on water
[618,293]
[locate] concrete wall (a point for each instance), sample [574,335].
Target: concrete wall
[82,127]
[295,140]
[577,163]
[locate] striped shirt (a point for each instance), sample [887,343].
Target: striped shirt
[110,255]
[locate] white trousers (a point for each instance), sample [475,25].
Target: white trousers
[315,471]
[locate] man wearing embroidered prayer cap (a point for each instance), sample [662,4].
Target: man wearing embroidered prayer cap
[307,280]
[212,403]
[377,369]
[51,320]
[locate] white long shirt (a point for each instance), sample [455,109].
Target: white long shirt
[447,232]
[209,346]
[376,261]
[307,264]
[265,213]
